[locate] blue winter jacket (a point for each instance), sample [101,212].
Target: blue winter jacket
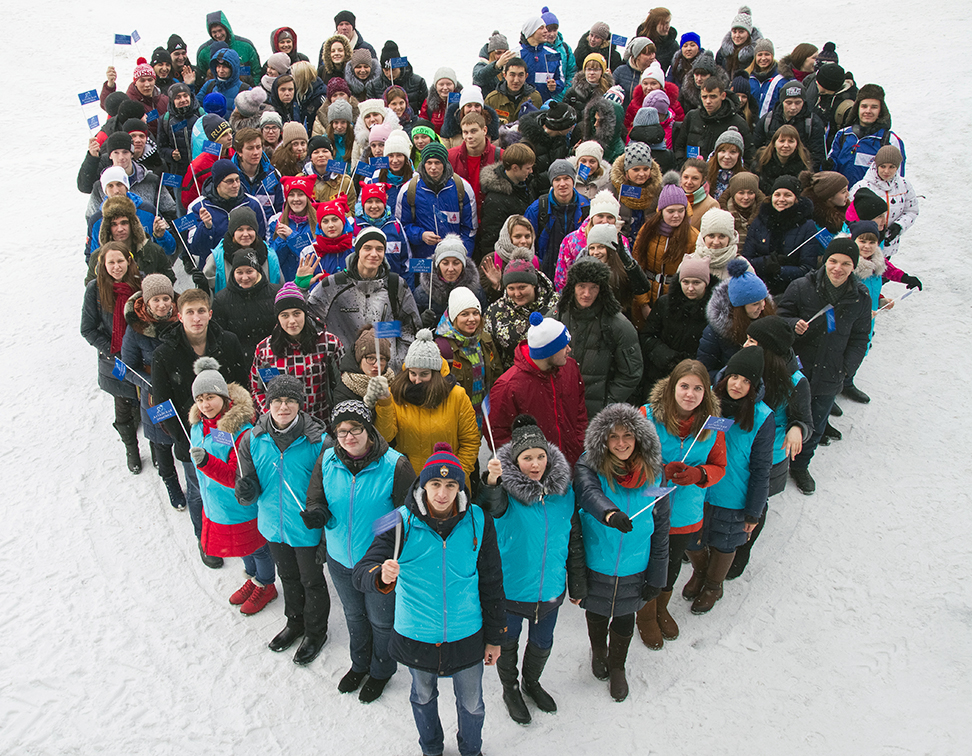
[749,457]
[555,210]
[782,420]
[204,240]
[272,271]
[146,215]
[766,93]
[438,212]
[545,60]
[288,253]
[265,186]
[852,151]
[230,87]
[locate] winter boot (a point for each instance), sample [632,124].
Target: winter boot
[804,480]
[835,410]
[534,660]
[597,631]
[259,598]
[288,636]
[372,689]
[647,619]
[212,562]
[666,623]
[242,593]
[176,497]
[699,560]
[507,669]
[719,565]
[155,462]
[351,681]
[743,552]
[309,648]
[832,433]
[855,394]
[617,655]
[129,436]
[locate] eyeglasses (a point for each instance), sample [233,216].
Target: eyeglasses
[371,359]
[283,400]
[354,433]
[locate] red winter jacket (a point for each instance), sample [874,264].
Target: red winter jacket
[459,160]
[554,398]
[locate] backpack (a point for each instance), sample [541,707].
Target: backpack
[413,186]
[543,213]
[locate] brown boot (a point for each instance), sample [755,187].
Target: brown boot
[597,631]
[647,620]
[666,623]
[719,565]
[699,560]
[617,655]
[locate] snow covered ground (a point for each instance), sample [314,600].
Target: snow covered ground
[848,634]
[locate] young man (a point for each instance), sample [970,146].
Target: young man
[118,221]
[703,126]
[345,23]
[256,173]
[545,382]
[556,214]
[547,133]
[114,183]
[508,189]
[182,69]
[172,377]
[855,146]
[141,181]
[488,72]
[449,602]
[475,153]
[542,61]
[512,94]
[221,31]
[793,110]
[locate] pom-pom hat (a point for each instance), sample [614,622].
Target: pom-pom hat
[546,336]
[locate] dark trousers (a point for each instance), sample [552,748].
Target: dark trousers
[164,459]
[820,409]
[677,545]
[126,414]
[306,598]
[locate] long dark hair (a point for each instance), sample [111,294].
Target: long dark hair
[106,289]
[437,392]
[740,321]
[802,154]
[678,242]
[746,407]
[280,340]
[777,379]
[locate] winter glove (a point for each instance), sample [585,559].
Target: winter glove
[315,518]
[649,592]
[891,233]
[199,455]
[377,388]
[619,521]
[247,490]
[681,474]
[772,267]
[911,282]
[200,281]
[429,319]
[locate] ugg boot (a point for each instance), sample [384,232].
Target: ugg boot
[176,497]
[699,560]
[597,631]
[534,660]
[506,667]
[719,565]
[129,436]
[617,655]
[666,623]
[647,619]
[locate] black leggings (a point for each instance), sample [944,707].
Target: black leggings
[622,625]
[163,456]
[126,411]
[676,548]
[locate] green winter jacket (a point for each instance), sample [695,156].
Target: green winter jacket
[244,47]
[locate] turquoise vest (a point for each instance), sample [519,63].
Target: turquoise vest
[219,501]
[608,550]
[730,492]
[782,420]
[278,519]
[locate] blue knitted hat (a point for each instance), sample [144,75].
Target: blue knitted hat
[745,287]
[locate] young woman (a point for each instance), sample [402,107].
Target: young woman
[636,168]
[658,28]
[376,211]
[591,154]
[452,269]
[355,482]
[289,156]
[736,502]
[297,217]
[605,208]
[434,108]
[690,47]
[726,161]
[103,326]
[592,81]
[421,406]
[627,279]
[883,179]
[271,125]
[743,199]
[800,63]
[693,182]
[736,54]
[515,242]
[340,117]
[242,232]
[335,55]
[785,155]
[282,97]
[229,529]
[526,290]
[360,71]
[397,100]
[528,492]
[694,460]
[718,242]
[625,555]
[276,459]
[765,81]
[360,364]
[398,150]
[336,238]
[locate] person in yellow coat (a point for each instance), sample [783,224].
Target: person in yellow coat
[423,406]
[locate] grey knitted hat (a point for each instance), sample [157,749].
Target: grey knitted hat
[635,154]
[730,136]
[561,167]
[339,110]
[285,386]
[526,435]
[423,354]
[603,233]
[208,378]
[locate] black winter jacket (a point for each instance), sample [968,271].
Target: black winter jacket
[672,332]
[776,237]
[699,129]
[501,199]
[808,123]
[96,328]
[247,312]
[413,84]
[547,148]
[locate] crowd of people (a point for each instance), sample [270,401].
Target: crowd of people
[639,271]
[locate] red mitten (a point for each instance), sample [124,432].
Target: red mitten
[688,477]
[674,468]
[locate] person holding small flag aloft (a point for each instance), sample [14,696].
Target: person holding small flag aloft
[441,559]
[625,546]
[276,459]
[355,482]
[681,407]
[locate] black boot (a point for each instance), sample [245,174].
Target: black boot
[372,689]
[855,394]
[742,553]
[617,655]
[803,480]
[176,497]
[155,462]
[351,681]
[835,410]
[534,660]
[831,432]
[309,648]
[597,631]
[288,636]
[506,667]
[212,562]
[129,436]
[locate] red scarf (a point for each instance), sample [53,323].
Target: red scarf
[123,292]
[799,75]
[325,245]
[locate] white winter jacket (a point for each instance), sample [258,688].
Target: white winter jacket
[901,198]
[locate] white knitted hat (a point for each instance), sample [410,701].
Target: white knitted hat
[371,106]
[398,143]
[471,94]
[461,299]
[605,202]
[590,148]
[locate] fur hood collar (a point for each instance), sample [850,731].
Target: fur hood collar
[649,192]
[606,129]
[441,290]
[238,415]
[493,178]
[873,267]
[629,417]
[719,310]
[138,317]
[361,133]
[355,84]
[555,481]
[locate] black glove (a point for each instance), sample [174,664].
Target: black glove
[314,518]
[649,592]
[247,490]
[911,281]
[772,267]
[200,281]
[429,319]
[619,521]
[891,233]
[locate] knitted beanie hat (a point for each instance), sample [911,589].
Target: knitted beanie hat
[245,257]
[793,90]
[497,43]
[135,126]
[828,54]
[370,233]
[339,110]
[355,411]
[595,58]
[747,362]
[435,151]
[288,298]
[743,19]
[156,284]
[423,354]
[645,117]
[635,154]
[559,117]
[603,233]
[773,334]
[291,132]
[546,336]
[660,101]
[655,72]
[443,463]
[461,298]
[718,221]
[764,45]
[271,118]
[530,26]
[379,133]
[672,192]
[601,29]
[389,51]
[693,266]
[868,204]
[745,287]
[444,72]
[285,386]
[222,169]
[526,434]
[704,63]
[215,126]
[248,102]
[888,154]
[830,76]
[208,378]
[690,37]
[790,183]
[336,85]
[111,174]
[519,271]
[561,167]
[590,148]
[215,104]
[471,95]
[241,215]
[843,245]
[398,143]
[279,62]
[345,16]
[547,16]
[337,207]
[303,184]
[605,202]
[143,69]
[450,246]
[730,136]
[637,46]
[826,184]
[856,228]
[743,181]
[361,57]
[365,344]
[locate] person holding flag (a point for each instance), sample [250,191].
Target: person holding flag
[355,483]
[276,459]
[625,548]
[682,408]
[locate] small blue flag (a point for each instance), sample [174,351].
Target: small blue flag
[266,374]
[388,329]
[88,97]
[184,223]
[212,148]
[135,36]
[656,492]
[831,321]
[123,39]
[299,241]
[907,294]
[270,182]
[161,412]
[420,265]
[363,169]
[553,57]
[336,166]
[182,125]
[718,423]
[151,116]
[617,39]
[398,62]
[378,162]
[171,179]
[825,237]
[692,152]
[385,523]
[244,70]
[221,437]
[630,191]
[583,171]
[93,122]
[119,370]
[453,97]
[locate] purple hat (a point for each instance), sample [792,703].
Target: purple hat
[289,297]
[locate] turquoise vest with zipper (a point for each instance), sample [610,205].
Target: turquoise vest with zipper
[437,593]
[687,501]
[608,550]
[533,547]
[219,501]
[782,420]
[730,492]
[356,501]
[278,519]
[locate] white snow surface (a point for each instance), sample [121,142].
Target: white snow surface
[849,633]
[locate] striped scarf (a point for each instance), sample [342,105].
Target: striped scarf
[472,350]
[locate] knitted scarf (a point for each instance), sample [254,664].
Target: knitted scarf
[358,382]
[325,245]
[123,292]
[470,348]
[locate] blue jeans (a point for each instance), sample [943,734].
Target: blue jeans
[370,617]
[820,410]
[193,498]
[540,633]
[468,687]
[260,565]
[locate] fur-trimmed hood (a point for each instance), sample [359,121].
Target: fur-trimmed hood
[719,310]
[649,192]
[355,84]
[555,481]
[605,132]
[138,318]
[325,66]
[589,270]
[493,178]
[238,415]
[873,267]
[627,416]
